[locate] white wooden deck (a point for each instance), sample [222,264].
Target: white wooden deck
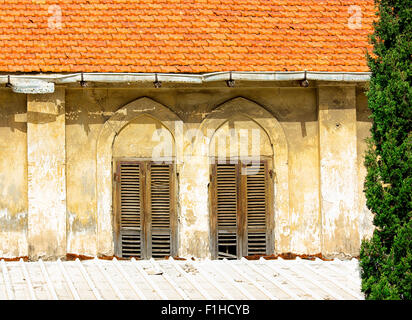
[177,279]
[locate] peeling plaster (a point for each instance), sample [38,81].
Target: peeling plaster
[319,203]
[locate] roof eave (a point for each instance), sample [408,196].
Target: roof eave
[56,78]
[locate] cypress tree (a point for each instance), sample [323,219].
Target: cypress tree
[386,258]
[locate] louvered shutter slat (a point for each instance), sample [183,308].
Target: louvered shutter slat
[129,196]
[160,190]
[256,211]
[226,210]
[130,210]
[131,244]
[160,244]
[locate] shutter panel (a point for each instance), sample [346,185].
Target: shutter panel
[226,207]
[130,209]
[160,195]
[256,211]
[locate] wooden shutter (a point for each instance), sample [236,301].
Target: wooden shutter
[227,210]
[256,190]
[161,189]
[130,209]
[240,210]
[145,209]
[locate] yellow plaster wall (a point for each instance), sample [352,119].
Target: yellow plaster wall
[363,126]
[46,166]
[13,175]
[338,170]
[144,137]
[299,228]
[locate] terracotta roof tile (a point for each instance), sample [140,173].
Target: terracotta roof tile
[184,35]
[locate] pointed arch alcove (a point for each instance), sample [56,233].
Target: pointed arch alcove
[260,118]
[135,111]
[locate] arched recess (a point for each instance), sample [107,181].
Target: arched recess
[104,155]
[276,134]
[144,137]
[240,136]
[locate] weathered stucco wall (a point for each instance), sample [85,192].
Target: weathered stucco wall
[299,111]
[46,166]
[338,170]
[144,137]
[85,114]
[13,175]
[363,126]
[314,220]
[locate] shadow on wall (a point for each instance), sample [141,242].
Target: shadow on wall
[13,108]
[95,106]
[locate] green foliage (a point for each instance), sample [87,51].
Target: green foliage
[386,259]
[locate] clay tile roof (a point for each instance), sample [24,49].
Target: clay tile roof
[191,36]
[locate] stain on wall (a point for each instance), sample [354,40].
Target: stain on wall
[13,174]
[338,170]
[46,167]
[363,126]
